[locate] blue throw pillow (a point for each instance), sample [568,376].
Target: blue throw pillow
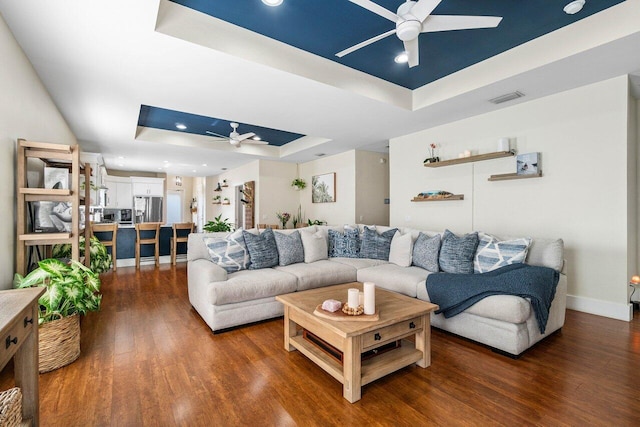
[345,245]
[426,251]
[228,252]
[493,253]
[376,246]
[456,253]
[262,249]
[290,250]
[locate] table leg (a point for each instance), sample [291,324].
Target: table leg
[290,330]
[423,342]
[352,387]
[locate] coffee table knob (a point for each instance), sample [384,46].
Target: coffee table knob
[412,325]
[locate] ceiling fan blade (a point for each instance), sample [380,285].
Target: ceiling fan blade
[254,142]
[413,51]
[365,43]
[244,136]
[377,9]
[423,8]
[217,134]
[437,23]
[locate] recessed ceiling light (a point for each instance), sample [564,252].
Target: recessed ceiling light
[166,161]
[256,138]
[204,164]
[121,157]
[120,164]
[181,126]
[194,170]
[574,7]
[272,3]
[403,58]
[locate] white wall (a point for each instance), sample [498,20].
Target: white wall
[237,176]
[275,193]
[582,197]
[26,111]
[372,188]
[343,210]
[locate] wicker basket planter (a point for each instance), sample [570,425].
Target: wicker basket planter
[11,408]
[59,343]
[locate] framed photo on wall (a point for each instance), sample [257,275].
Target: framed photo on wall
[323,188]
[528,164]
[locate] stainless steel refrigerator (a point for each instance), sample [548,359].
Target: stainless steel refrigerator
[147,209]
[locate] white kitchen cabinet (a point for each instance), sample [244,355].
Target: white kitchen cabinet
[112,192]
[147,186]
[119,195]
[124,195]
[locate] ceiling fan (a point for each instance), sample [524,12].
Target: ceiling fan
[236,139]
[413,18]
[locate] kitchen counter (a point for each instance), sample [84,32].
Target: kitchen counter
[125,242]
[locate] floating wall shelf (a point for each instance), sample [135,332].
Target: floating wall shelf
[470,159]
[508,176]
[441,199]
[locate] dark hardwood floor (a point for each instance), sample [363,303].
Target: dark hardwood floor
[148,359]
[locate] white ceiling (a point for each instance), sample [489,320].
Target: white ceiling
[101,60]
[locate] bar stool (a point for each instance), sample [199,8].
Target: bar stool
[155,240]
[179,236]
[107,228]
[271,226]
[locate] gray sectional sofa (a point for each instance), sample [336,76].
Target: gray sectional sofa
[503,322]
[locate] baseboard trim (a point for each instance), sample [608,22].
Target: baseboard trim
[600,308]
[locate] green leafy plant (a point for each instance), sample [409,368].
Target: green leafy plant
[70,288]
[297,218]
[100,259]
[316,222]
[218,224]
[299,183]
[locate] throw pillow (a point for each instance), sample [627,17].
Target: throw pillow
[374,245]
[228,252]
[315,246]
[262,249]
[492,253]
[456,253]
[345,245]
[401,248]
[290,249]
[426,251]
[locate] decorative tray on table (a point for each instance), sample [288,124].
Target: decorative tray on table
[341,315]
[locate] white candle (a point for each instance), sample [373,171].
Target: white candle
[503,144]
[361,298]
[461,155]
[352,300]
[467,153]
[369,298]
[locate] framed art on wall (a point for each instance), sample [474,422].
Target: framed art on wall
[323,188]
[528,164]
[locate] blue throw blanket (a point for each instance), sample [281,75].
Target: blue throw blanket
[454,293]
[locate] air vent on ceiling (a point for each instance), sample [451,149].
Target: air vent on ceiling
[506,97]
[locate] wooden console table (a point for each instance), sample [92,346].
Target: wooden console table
[19,339]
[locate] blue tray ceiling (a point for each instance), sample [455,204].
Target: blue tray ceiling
[328,26]
[161,118]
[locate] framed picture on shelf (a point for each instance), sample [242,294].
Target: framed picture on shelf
[323,188]
[528,164]
[56,178]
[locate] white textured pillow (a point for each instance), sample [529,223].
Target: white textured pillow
[493,253]
[401,249]
[315,246]
[228,252]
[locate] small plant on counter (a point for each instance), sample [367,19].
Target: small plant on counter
[100,259]
[316,222]
[299,184]
[284,218]
[297,218]
[218,224]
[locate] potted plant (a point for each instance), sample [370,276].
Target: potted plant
[284,218]
[226,201]
[297,218]
[100,259]
[315,222]
[218,224]
[217,200]
[298,184]
[72,290]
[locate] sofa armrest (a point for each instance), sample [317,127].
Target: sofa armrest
[205,271]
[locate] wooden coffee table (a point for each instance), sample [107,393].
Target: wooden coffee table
[400,318]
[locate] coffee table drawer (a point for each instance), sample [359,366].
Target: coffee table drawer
[391,332]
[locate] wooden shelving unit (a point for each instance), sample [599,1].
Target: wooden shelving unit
[476,158]
[57,155]
[508,176]
[442,199]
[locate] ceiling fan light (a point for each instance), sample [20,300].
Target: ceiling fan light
[272,3]
[574,7]
[402,58]
[256,138]
[181,126]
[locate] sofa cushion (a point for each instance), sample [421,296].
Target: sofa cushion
[426,251]
[290,250]
[493,253]
[392,277]
[315,245]
[229,252]
[247,285]
[374,245]
[456,253]
[359,263]
[345,245]
[320,273]
[507,308]
[547,253]
[401,249]
[262,249]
